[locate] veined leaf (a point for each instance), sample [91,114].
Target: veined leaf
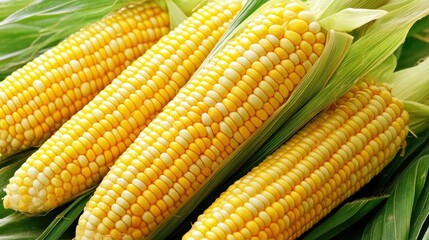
[394,220]
[420,215]
[8,7]
[343,218]
[351,18]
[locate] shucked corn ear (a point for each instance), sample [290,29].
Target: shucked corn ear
[38,98]
[209,118]
[320,166]
[81,152]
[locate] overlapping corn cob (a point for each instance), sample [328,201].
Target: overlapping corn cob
[38,98]
[323,164]
[81,152]
[209,118]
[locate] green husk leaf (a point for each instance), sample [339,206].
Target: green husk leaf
[188,7]
[344,217]
[8,7]
[327,8]
[394,220]
[180,10]
[419,116]
[335,50]
[350,18]
[175,14]
[42,24]
[412,84]
[420,215]
[384,71]
[416,47]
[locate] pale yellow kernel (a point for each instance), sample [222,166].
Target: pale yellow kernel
[289,15]
[294,37]
[318,48]
[320,37]
[307,16]
[314,27]
[296,7]
[297,25]
[277,31]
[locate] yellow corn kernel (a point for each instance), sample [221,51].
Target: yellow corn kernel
[38,98]
[236,75]
[326,172]
[113,120]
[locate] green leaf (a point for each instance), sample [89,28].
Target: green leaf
[343,218]
[329,7]
[384,71]
[175,14]
[350,18]
[420,213]
[420,30]
[394,220]
[419,116]
[418,76]
[8,7]
[413,51]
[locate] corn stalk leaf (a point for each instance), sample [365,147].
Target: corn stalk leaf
[344,217]
[395,219]
[350,18]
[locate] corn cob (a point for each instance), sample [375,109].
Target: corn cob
[323,164]
[38,98]
[215,112]
[81,152]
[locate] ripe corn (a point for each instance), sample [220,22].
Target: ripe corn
[318,168]
[81,152]
[209,118]
[38,98]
